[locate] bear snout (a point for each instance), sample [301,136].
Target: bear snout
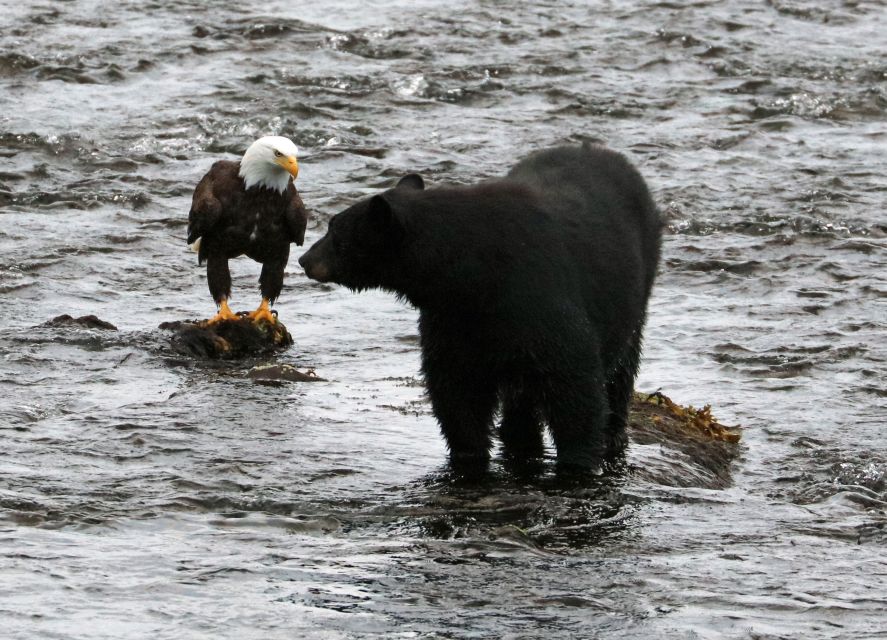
[315,269]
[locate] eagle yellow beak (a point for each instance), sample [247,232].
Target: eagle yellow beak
[290,164]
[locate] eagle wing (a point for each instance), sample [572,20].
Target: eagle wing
[296,216]
[212,196]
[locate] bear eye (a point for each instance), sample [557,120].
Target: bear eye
[277,153]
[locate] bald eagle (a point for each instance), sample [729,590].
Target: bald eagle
[249,207]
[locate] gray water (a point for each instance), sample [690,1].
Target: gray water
[144,495]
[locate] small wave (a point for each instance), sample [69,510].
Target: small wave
[256,28]
[351,85]
[74,70]
[81,199]
[64,144]
[432,88]
[857,478]
[741,267]
[784,361]
[595,106]
[814,12]
[766,225]
[324,525]
[865,103]
[12,64]
[372,46]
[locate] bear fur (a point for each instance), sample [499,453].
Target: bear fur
[532,293]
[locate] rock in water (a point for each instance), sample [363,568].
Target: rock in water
[228,339]
[88,322]
[692,434]
[658,413]
[274,374]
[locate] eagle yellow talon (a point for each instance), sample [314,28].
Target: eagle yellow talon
[263,313]
[224,314]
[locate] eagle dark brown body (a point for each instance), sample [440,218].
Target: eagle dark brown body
[231,220]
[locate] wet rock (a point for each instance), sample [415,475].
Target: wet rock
[89,322]
[657,412]
[706,445]
[279,373]
[229,339]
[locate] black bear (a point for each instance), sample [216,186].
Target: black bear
[532,293]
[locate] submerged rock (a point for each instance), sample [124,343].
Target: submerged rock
[228,339]
[88,322]
[278,373]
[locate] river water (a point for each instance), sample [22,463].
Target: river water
[144,495]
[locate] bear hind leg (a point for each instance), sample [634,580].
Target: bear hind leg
[521,428]
[462,390]
[577,409]
[465,415]
[620,388]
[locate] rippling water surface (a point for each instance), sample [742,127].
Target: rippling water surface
[147,495]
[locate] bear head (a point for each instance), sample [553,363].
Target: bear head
[362,243]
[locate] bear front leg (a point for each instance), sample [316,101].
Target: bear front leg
[462,393]
[463,405]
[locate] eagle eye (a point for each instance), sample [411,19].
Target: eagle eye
[277,153]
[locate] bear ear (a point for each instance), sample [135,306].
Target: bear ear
[411,181]
[380,212]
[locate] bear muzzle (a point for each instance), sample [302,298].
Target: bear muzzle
[315,269]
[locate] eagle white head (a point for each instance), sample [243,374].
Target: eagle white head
[269,162]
